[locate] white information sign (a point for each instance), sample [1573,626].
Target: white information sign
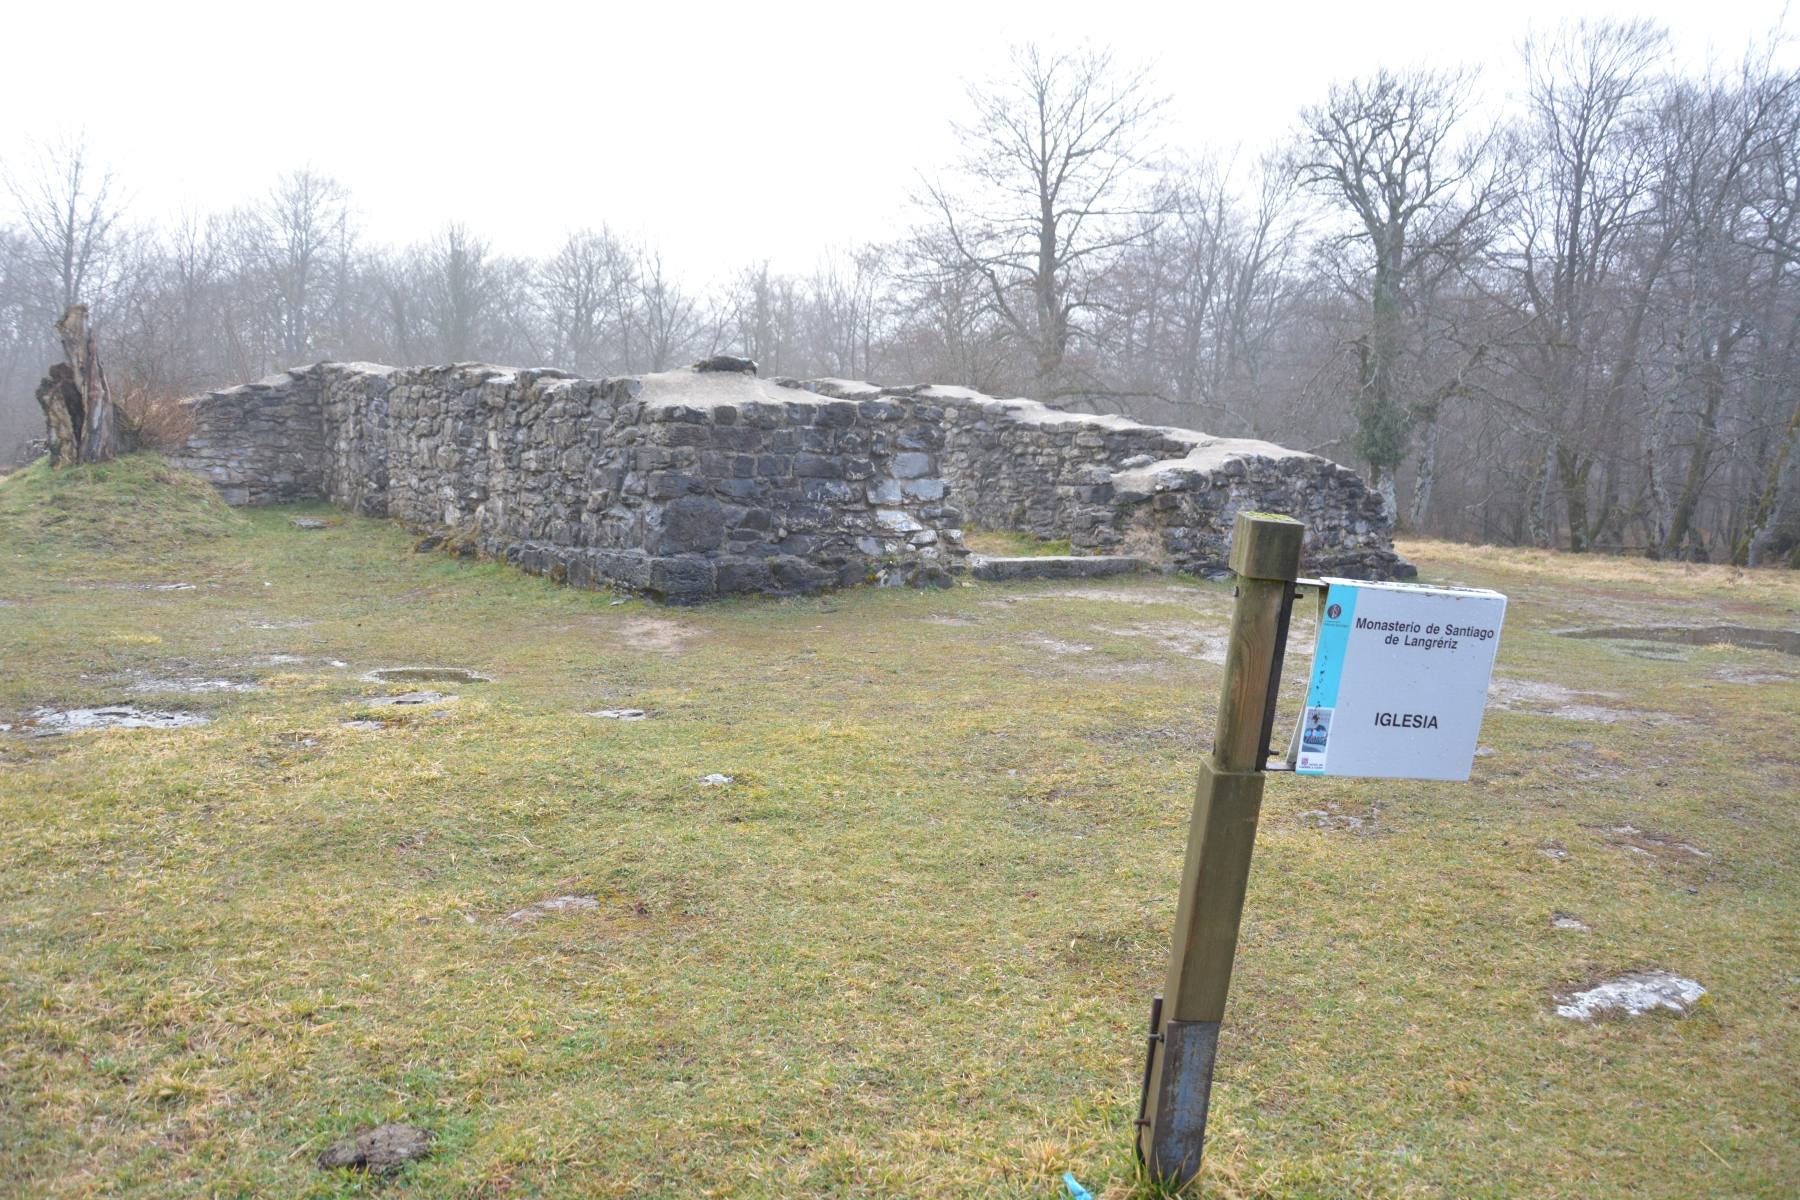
[1399,680]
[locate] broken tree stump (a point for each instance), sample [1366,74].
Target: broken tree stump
[80,420]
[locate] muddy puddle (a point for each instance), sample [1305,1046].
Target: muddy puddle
[51,722]
[426,675]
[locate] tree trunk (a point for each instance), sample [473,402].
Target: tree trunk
[82,424]
[1700,455]
[1572,470]
[1774,531]
[1427,474]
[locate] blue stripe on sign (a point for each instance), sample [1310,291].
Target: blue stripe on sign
[1334,637]
[1328,654]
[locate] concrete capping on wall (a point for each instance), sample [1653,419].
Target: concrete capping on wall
[690,484]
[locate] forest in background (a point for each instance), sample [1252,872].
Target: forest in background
[1571,324]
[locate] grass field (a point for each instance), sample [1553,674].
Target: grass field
[909,950]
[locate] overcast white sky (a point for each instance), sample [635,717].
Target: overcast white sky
[723,133]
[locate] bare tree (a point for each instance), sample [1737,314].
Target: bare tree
[669,314]
[296,235]
[1392,153]
[461,291]
[1048,194]
[1585,259]
[69,212]
[587,295]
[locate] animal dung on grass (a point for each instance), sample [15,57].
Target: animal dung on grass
[1630,995]
[383,1148]
[620,714]
[411,699]
[1563,920]
[310,523]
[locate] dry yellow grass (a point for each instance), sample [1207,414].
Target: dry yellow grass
[909,950]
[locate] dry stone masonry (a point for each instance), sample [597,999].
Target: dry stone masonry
[696,483]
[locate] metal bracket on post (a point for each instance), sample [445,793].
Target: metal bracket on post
[1171,1129]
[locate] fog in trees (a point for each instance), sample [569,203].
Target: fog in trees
[1569,320]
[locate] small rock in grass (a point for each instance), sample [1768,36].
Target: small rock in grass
[383,1148]
[1631,994]
[1563,920]
[1555,851]
[309,523]
[555,904]
[363,725]
[620,714]
[715,780]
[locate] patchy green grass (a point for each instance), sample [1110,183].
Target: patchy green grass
[909,951]
[138,506]
[1010,543]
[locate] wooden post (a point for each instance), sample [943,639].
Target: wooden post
[1265,555]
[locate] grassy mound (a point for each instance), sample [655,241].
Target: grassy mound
[138,504]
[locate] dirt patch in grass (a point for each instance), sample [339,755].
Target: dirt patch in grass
[1746,637]
[381,1149]
[1057,646]
[1332,818]
[554,906]
[1189,641]
[1554,700]
[1664,847]
[655,633]
[1752,677]
[192,685]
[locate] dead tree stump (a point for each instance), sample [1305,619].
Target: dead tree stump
[80,420]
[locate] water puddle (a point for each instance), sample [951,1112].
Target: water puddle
[193,686]
[425,675]
[51,722]
[411,699]
[620,714]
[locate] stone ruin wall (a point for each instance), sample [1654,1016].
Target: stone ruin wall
[686,485]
